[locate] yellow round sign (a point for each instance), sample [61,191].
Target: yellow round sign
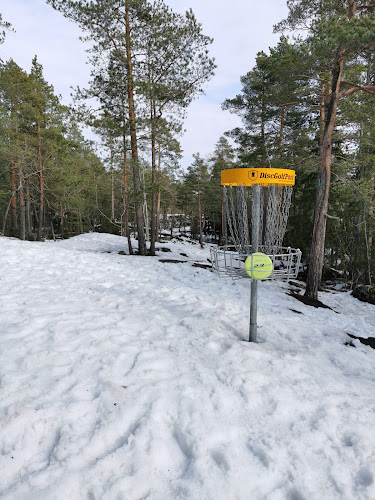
[258,266]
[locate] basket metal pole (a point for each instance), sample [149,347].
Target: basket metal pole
[254,248]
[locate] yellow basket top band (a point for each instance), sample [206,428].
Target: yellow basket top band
[264,176]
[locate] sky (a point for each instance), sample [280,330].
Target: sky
[240,29]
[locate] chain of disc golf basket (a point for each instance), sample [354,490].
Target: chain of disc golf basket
[243,219]
[275,203]
[236,215]
[279,198]
[231,220]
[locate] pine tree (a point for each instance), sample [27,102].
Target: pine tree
[45,165]
[176,67]
[339,33]
[116,26]
[222,158]
[4,25]
[166,62]
[13,90]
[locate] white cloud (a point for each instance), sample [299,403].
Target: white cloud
[205,123]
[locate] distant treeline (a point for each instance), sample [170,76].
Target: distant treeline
[307,105]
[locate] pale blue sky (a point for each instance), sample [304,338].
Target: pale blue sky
[240,29]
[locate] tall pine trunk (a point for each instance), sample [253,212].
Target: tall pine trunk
[316,261]
[133,140]
[126,196]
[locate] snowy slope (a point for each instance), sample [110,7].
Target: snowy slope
[126,378]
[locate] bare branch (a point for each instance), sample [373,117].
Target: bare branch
[356,88]
[371,6]
[313,78]
[332,217]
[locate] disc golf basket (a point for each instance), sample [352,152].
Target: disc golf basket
[261,196]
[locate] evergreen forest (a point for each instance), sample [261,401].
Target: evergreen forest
[308,104]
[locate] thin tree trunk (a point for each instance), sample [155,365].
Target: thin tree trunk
[61,220]
[153,182]
[21,193]
[322,112]
[41,189]
[200,217]
[263,135]
[352,8]
[21,197]
[371,214]
[368,237]
[112,196]
[224,230]
[13,201]
[80,223]
[126,201]
[192,226]
[355,257]
[28,211]
[281,152]
[112,179]
[172,219]
[52,230]
[368,253]
[133,140]
[13,190]
[159,197]
[5,219]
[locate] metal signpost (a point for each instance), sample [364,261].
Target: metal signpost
[254,248]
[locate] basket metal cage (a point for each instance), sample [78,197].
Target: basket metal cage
[228,263]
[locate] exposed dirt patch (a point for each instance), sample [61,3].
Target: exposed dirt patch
[310,302]
[370,341]
[202,265]
[300,286]
[295,311]
[364,293]
[172,261]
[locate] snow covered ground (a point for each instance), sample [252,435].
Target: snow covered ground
[127,378]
